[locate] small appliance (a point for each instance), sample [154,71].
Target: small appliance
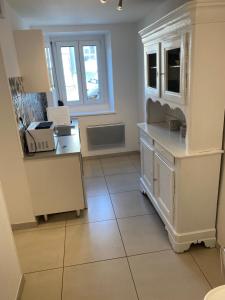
[40,137]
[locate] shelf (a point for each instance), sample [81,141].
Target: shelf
[174,66]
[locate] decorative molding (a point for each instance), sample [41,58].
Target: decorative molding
[190,13]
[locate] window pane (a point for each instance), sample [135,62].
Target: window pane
[91,72]
[70,73]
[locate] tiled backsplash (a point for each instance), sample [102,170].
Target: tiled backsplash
[29,106]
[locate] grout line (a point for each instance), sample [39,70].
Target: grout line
[93,262]
[44,270]
[128,263]
[64,253]
[97,261]
[195,261]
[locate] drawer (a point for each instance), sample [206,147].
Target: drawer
[146,138]
[164,153]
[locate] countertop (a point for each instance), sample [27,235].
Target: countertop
[65,145]
[171,140]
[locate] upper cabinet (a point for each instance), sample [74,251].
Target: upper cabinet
[165,69]
[30,48]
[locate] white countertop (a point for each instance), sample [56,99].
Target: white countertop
[170,140]
[65,145]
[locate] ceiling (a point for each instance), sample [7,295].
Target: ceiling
[75,12]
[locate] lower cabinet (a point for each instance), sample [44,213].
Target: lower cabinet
[56,184]
[182,192]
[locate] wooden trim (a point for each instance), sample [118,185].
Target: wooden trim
[24,226]
[20,290]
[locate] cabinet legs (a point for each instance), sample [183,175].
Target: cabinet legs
[78,213]
[45,218]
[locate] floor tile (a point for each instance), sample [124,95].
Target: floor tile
[168,276]
[92,242]
[136,161]
[40,249]
[209,262]
[109,280]
[95,187]
[44,285]
[117,165]
[99,209]
[130,204]
[122,182]
[143,234]
[92,168]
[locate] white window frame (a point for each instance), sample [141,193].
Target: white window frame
[78,43]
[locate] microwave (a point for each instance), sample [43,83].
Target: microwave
[40,137]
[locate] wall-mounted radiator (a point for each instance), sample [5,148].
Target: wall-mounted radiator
[106,136]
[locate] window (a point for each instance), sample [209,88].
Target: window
[81,71]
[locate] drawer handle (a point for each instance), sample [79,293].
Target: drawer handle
[155,179]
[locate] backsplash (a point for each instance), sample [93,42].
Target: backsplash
[28,106]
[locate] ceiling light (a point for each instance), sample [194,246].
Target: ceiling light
[120,5]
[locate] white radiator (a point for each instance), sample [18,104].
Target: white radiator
[106,136]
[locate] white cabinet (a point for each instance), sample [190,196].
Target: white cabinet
[30,49]
[147,164]
[55,184]
[164,187]
[166,68]
[180,189]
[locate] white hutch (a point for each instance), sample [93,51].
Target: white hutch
[184,81]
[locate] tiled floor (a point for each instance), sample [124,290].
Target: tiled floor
[117,250]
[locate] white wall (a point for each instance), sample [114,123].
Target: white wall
[124,61]
[157,13]
[12,171]
[10,272]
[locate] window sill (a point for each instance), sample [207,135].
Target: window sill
[87,114]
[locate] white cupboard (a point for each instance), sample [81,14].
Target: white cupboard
[30,47]
[181,139]
[178,185]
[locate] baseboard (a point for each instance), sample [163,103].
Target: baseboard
[20,289]
[24,226]
[110,155]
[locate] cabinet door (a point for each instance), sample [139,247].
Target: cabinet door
[30,47]
[174,69]
[164,187]
[147,164]
[152,70]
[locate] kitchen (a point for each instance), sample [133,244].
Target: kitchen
[102,173]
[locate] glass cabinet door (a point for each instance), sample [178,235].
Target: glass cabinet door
[153,70]
[173,70]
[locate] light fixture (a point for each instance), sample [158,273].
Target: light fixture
[119,6]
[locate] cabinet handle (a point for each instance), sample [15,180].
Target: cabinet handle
[155,179]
